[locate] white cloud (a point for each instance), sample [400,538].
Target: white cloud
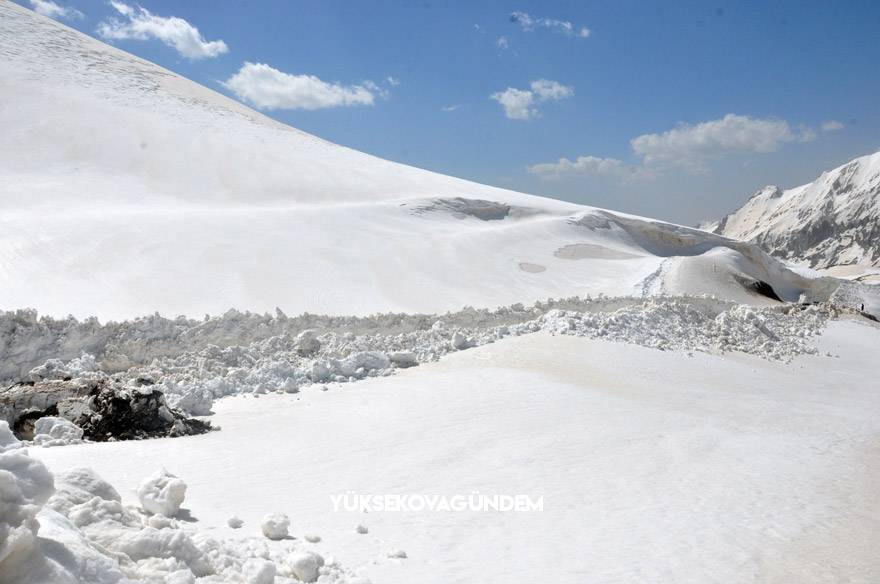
[551,90]
[690,146]
[832,126]
[583,166]
[450,108]
[519,104]
[268,88]
[177,33]
[502,43]
[54,10]
[392,81]
[529,23]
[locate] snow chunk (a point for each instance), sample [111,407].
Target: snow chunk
[53,431]
[460,341]
[404,359]
[162,493]
[258,571]
[8,441]
[234,522]
[306,344]
[306,566]
[274,525]
[25,486]
[78,486]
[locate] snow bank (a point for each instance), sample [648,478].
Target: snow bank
[74,529]
[261,354]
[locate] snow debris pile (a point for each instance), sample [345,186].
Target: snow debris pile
[779,333]
[176,367]
[74,528]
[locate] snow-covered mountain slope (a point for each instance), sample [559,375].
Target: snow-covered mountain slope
[832,221]
[126,189]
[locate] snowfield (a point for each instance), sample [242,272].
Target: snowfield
[654,466]
[686,407]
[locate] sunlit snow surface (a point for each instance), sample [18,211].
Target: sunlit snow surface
[654,466]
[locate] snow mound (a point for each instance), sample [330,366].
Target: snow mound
[25,485]
[162,493]
[54,431]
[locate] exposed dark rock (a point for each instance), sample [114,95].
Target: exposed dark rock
[135,413]
[462,208]
[105,409]
[758,287]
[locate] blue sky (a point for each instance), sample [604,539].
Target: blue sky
[671,110]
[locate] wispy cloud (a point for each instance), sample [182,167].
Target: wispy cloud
[450,108]
[582,166]
[140,24]
[519,104]
[832,126]
[54,10]
[268,88]
[529,23]
[502,43]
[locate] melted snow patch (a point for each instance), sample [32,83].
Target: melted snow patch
[582,251]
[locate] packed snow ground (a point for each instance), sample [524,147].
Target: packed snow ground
[655,466]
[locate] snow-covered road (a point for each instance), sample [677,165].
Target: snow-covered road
[653,466]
